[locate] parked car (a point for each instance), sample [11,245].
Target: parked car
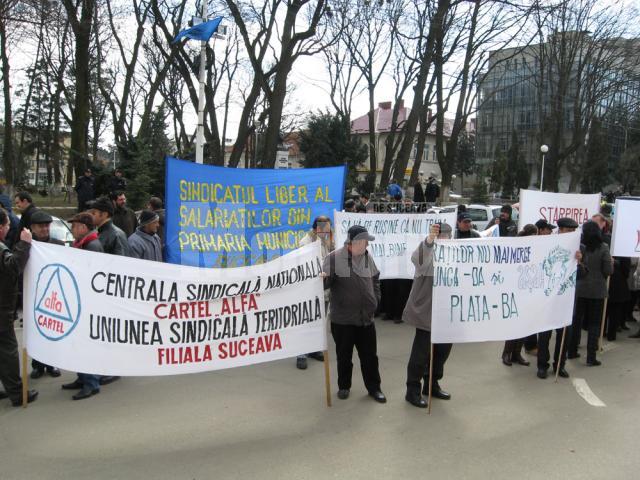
[481,215]
[61,230]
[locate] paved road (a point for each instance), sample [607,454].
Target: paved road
[269,421]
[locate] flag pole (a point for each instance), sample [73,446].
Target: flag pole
[201,98]
[604,317]
[430,380]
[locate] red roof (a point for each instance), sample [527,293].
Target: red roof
[382,120]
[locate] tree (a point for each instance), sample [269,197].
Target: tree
[327,141]
[596,169]
[465,161]
[516,174]
[582,67]
[144,165]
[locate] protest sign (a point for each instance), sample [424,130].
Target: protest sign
[549,206]
[397,236]
[502,288]
[111,315]
[625,241]
[231,217]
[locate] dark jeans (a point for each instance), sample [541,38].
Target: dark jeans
[543,348]
[10,364]
[616,316]
[89,381]
[418,367]
[531,342]
[589,311]
[513,348]
[364,339]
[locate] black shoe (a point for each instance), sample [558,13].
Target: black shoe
[319,356]
[542,373]
[31,397]
[106,380]
[635,335]
[562,373]
[75,385]
[378,396]
[506,359]
[343,394]
[624,327]
[301,363]
[437,392]
[520,361]
[594,363]
[416,400]
[37,373]
[86,393]
[3,395]
[53,372]
[571,356]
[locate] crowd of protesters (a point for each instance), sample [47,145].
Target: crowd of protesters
[354,293]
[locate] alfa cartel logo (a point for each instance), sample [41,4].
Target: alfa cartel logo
[57,302]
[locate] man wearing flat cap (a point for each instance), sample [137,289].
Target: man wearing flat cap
[85,238]
[40,230]
[418,314]
[565,225]
[145,243]
[354,280]
[113,240]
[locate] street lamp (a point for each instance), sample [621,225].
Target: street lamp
[543,149]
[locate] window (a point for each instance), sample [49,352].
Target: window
[477,214]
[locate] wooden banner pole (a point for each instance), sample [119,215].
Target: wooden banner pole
[25,378]
[559,361]
[604,316]
[327,377]
[430,379]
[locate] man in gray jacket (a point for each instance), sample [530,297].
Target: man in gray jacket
[418,313]
[145,242]
[354,280]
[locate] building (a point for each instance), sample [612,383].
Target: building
[382,120]
[511,97]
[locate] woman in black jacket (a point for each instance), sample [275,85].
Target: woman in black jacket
[591,290]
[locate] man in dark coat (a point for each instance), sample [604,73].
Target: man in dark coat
[432,191]
[14,222]
[464,227]
[40,229]
[26,207]
[113,240]
[85,238]
[85,188]
[123,217]
[11,266]
[506,226]
[354,280]
[117,183]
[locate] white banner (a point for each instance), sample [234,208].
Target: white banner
[104,314]
[397,236]
[535,205]
[625,241]
[502,288]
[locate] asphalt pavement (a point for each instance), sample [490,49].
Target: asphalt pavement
[270,421]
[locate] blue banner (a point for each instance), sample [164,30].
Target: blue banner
[231,217]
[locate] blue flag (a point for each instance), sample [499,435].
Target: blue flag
[203,31]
